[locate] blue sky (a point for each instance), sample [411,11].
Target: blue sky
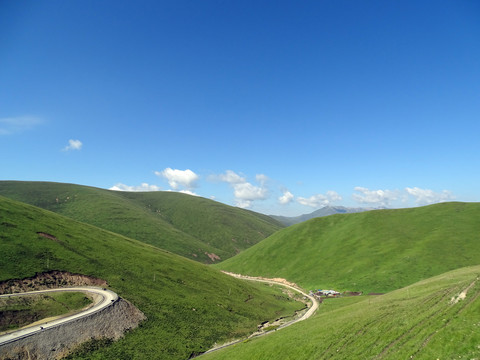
[281,107]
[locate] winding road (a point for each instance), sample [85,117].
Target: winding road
[102,298]
[309,312]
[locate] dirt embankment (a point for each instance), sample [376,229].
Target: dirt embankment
[49,280]
[57,342]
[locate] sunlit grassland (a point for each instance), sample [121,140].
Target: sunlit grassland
[18,311]
[190,226]
[375,251]
[420,321]
[189,306]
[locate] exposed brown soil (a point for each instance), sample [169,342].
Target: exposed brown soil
[212,256]
[48,236]
[49,280]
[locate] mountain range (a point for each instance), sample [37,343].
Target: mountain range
[324,211]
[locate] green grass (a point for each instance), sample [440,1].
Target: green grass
[418,321]
[331,304]
[189,306]
[18,311]
[186,225]
[375,251]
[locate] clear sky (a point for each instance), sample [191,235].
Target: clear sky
[278,106]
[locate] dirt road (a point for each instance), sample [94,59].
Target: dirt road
[284,283]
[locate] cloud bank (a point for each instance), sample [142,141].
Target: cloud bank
[320,200]
[375,197]
[385,198]
[427,196]
[246,193]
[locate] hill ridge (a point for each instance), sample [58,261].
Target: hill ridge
[194,227]
[375,251]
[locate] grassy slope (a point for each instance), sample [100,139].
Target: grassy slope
[18,311]
[189,305]
[419,322]
[373,251]
[186,225]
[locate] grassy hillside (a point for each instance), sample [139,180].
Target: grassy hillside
[190,226]
[189,306]
[19,311]
[420,322]
[373,251]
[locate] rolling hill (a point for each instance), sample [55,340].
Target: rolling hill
[194,227]
[377,251]
[189,306]
[437,318]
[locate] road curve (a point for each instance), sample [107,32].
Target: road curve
[102,298]
[309,312]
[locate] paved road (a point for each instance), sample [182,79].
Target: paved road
[309,312]
[101,298]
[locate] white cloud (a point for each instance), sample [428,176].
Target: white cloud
[262,179]
[375,197]
[426,196]
[245,193]
[188,192]
[320,200]
[244,204]
[142,187]
[230,177]
[18,124]
[179,178]
[286,198]
[73,145]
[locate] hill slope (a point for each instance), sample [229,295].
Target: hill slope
[427,320]
[189,305]
[194,227]
[376,251]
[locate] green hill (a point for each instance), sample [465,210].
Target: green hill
[189,305]
[427,320]
[376,251]
[194,227]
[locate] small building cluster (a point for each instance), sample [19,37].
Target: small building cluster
[324,293]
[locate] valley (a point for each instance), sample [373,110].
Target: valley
[188,305]
[425,262]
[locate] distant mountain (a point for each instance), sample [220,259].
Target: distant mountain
[325,211]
